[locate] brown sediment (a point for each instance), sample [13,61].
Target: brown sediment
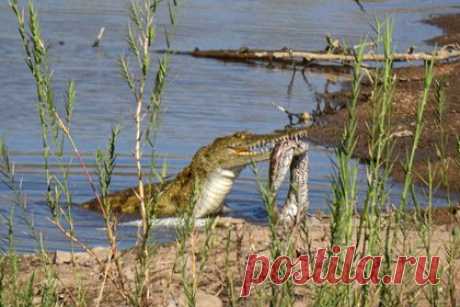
[408,92]
[450,24]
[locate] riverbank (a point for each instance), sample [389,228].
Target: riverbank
[219,281]
[408,92]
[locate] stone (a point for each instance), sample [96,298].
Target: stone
[203,299]
[102,253]
[402,133]
[61,257]
[207,300]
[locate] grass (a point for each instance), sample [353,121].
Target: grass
[378,230]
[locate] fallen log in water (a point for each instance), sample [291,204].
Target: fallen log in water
[337,63]
[244,55]
[306,57]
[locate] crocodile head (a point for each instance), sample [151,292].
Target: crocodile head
[242,148]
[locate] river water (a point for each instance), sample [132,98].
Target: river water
[203,98]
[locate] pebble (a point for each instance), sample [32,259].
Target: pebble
[203,299]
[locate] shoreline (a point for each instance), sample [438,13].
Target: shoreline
[407,93]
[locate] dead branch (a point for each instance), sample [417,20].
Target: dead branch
[302,118]
[98,38]
[306,57]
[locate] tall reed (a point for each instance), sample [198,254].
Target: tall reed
[141,37]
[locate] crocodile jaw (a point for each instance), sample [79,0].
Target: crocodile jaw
[218,184]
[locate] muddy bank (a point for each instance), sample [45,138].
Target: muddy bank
[450,24]
[408,92]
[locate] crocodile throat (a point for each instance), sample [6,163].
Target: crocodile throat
[217,186]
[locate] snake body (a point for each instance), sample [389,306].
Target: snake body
[285,156]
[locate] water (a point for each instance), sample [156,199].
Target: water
[203,99]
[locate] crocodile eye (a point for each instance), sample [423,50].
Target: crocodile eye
[240,135]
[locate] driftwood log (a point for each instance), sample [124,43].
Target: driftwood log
[249,56]
[287,55]
[336,63]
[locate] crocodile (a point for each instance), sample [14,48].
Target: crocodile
[209,177]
